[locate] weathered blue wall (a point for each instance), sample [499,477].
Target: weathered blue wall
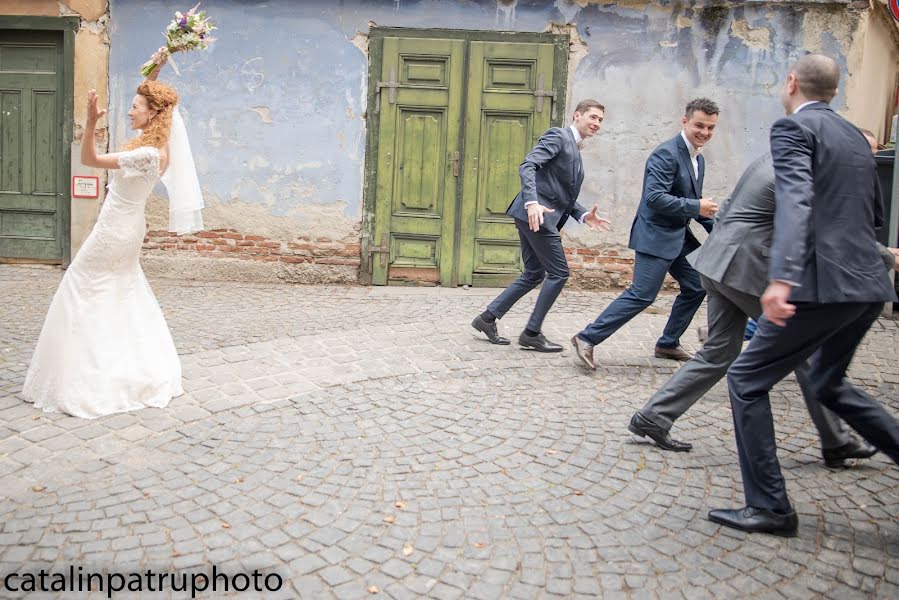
[275,108]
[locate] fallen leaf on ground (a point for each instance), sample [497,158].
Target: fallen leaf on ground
[389,519]
[579,493]
[399,504]
[38,488]
[552,451]
[479,544]
[408,549]
[373,589]
[226,525]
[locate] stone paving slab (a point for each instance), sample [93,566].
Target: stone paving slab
[351,437]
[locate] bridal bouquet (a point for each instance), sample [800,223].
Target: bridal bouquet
[189,31]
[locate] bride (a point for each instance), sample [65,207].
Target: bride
[105,347]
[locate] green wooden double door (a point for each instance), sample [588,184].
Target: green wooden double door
[455,119]
[34,192]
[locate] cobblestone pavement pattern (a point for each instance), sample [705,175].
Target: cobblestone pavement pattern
[349,437]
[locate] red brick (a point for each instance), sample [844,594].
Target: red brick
[207,234]
[245,243]
[232,236]
[205,247]
[294,259]
[337,261]
[254,238]
[269,244]
[302,246]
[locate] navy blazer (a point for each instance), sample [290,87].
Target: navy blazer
[670,199]
[828,207]
[551,174]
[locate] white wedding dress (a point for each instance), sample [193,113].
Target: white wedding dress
[105,347]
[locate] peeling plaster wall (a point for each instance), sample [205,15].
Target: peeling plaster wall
[871,91]
[276,107]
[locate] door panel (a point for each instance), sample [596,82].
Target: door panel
[504,118]
[31,121]
[419,133]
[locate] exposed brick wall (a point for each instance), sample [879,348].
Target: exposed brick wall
[228,243]
[590,268]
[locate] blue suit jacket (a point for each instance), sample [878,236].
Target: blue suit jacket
[828,207]
[551,174]
[670,199]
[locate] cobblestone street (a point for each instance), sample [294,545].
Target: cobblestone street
[367,443]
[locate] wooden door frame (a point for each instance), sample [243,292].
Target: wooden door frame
[369,245]
[66,88]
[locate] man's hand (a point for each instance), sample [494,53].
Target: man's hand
[594,221]
[535,215]
[895,253]
[775,305]
[707,207]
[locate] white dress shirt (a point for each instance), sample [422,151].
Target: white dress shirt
[694,153]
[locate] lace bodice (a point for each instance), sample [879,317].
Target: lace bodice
[137,174]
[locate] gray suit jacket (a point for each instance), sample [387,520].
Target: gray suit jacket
[551,174]
[828,207]
[737,250]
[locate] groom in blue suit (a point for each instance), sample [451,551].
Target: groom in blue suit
[661,237]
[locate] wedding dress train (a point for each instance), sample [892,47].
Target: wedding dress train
[105,347]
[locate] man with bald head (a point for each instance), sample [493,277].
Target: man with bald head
[825,290]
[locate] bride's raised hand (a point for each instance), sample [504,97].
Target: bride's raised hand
[94,113]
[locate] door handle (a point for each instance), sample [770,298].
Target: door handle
[456,163]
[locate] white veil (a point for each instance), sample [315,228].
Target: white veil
[180,180]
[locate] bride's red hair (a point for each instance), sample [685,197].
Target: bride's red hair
[161,98]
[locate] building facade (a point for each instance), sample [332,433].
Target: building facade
[378,141]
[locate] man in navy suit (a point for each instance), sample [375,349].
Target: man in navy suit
[551,178]
[825,289]
[661,237]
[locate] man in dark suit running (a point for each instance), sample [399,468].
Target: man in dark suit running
[733,265]
[660,235]
[551,178]
[826,287]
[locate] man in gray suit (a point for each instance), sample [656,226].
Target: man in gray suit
[825,289]
[551,178]
[733,266]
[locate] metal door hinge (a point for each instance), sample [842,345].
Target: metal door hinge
[540,93]
[392,86]
[456,159]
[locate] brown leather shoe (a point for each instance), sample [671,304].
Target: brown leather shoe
[677,353]
[584,351]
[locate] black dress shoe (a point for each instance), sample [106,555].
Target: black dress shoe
[834,457]
[757,520]
[538,343]
[643,427]
[489,329]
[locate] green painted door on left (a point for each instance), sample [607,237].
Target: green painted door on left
[419,101]
[456,118]
[32,189]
